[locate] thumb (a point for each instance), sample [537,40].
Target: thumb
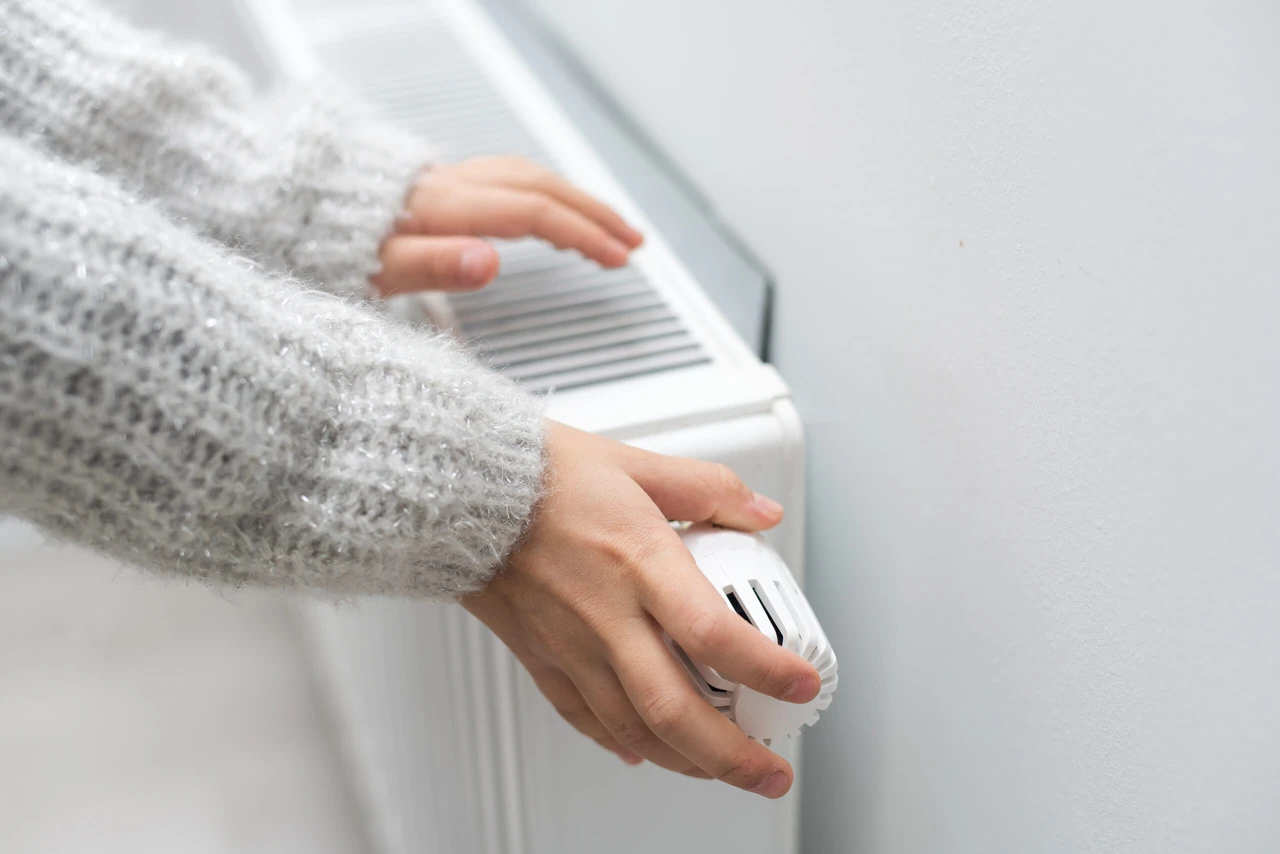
[412,262]
[695,491]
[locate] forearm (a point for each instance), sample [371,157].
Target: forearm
[301,182]
[162,403]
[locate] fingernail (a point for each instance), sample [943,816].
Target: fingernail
[618,254]
[767,505]
[801,690]
[772,785]
[477,263]
[630,758]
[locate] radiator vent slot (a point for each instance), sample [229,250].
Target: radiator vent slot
[552,320]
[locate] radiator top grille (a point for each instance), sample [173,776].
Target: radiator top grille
[552,319]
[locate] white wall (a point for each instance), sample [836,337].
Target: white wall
[1029,306]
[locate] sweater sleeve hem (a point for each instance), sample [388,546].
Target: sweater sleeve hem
[357,181]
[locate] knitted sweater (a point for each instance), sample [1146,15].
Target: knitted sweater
[302,181]
[187,408]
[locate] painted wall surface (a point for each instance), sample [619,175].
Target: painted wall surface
[1030,307]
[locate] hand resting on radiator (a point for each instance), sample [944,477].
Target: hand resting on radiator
[438,245]
[583,599]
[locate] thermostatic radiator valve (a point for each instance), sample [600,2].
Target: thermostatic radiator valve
[754,581]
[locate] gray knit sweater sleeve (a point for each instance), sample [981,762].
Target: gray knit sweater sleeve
[164,402]
[301,181]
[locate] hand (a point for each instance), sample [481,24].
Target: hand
[584,598]
[437,245]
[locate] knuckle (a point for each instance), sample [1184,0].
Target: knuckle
[425,218]
[708,632]
[629,733]
[580,719]
[726,480]
[704,503]
[541,214]
[665,712]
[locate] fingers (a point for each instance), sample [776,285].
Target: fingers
[673,711]
[604,694]
[412,262]
[521,174]
[568,701]
[558,688]
[558,188]
[684,603]
[694,491]
[452,207]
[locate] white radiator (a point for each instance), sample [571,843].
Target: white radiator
[450,744]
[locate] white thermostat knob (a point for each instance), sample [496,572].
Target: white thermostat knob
[755,583]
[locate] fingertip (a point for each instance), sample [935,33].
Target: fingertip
[631,237]
[613,254]
[478,265]
[766,509]
[802,689]
[773,785]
